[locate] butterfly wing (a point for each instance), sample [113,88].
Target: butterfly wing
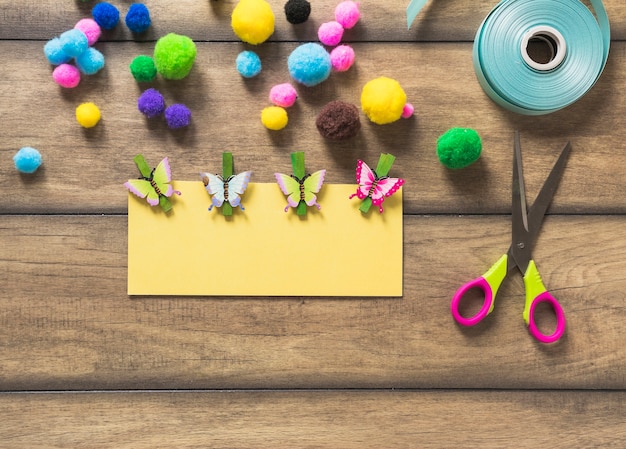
[289,187]
[214,185]
[162,176]
[385,187]
[312,185]
[143,189]
[364,178]
[236,186]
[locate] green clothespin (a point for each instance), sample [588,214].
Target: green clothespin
[297,162]
[385,161]
[227,172]
[146,173]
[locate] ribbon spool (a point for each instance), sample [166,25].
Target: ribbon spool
[513,75]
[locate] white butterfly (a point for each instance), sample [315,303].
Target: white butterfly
[226,190]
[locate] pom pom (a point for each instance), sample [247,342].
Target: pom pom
[274,118]
[151,103]
[54,52]
[458,147]
[283,95]
[383,100]
[87,115]
[309,64]
[177,116]
[106,15]
[74,42]
[174,55]
[90,61]
[66,75]
[248,64]
[253,21]
[27,160]
[143,69]
[330,33]
[138,18]
[347,14]
[408,110]
[297,11]
[338,120]
[342,58]
[91,29]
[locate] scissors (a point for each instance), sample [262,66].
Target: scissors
[525,227]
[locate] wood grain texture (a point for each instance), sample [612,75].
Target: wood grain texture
[303,368]
[84,169]
[209,20]
[66,322]
[315,419]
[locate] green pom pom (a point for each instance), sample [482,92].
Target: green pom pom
[459,147]
[143,68]
[174,56]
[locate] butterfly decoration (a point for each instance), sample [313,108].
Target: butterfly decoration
[304,189]
[227,190]
[370,185]
[155,187]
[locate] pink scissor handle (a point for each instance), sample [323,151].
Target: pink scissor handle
[481,284]
[488,283]
[558,312]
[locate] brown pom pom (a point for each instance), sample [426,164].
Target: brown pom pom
[338,120]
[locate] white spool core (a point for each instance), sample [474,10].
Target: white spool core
[552,39]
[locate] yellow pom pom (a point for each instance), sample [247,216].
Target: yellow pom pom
[382,100]
[274,118]
[88,115]
[253,21]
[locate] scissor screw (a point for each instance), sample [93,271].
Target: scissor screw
[520,245]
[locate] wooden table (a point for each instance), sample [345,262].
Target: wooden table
[84,365]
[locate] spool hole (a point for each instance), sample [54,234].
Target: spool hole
[543,48]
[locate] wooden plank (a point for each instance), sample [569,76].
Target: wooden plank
[66,322]
[320,419]
[210,20]
[84,170]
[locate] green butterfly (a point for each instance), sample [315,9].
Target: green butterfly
[301,189]
[155,186]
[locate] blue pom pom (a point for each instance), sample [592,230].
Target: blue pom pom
[73,42]
[27,160]
[54,52]
[138,18]
[106,15]
[309,64]
[248,64]
[90,62]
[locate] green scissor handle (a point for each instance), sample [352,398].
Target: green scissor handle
[537,293]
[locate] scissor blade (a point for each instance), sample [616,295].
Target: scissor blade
[520,249]
[544,198]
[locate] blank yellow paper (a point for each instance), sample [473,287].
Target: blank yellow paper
[263,251]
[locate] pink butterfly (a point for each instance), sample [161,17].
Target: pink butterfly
[370,185]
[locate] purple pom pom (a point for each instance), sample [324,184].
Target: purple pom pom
[177,116]
[151,103]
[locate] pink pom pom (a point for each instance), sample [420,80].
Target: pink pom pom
[407,110]
[283,95]
[342,58]
[66,75]
[90,28]
[347,14]
[330,33]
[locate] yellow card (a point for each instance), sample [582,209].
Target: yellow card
[263,251]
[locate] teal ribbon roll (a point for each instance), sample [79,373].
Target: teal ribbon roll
[577,40]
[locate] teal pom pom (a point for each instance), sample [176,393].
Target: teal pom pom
[248,64]
[459,147]
[90,62]
[27,160]
[54,52]
[309,64]
[73,42]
